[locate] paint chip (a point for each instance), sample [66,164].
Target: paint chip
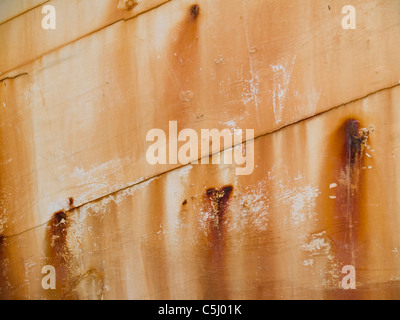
[332,185]
[332,197]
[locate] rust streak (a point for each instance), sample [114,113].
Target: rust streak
[218,204]
[3,269]
[58,255]
[348,219]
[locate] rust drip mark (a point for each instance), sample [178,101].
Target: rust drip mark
[218,203]
[356,140]
[4,294]
[183,64]
[346,223]
[57,235]
[2,269]
[58,255]
[194,11]
[349,187]
[71,202]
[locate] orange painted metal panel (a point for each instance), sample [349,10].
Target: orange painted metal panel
[116,84]
[77,192]
[323,195]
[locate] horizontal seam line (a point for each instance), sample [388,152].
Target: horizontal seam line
[182,166]
[80,37]
[24,12]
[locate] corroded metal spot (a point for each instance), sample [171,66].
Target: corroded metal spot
[58,255]
[127,4]
[195,11]
[57,224]
[219,202]
[356,139]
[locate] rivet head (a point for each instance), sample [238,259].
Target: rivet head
[130,4]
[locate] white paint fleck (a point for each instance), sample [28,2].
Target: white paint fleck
[299,177]
[317,245]
[230,123]
[254,205]
[282,75]
[368,155]
[186,95]
[6,162]
[301,201]
[251,90]
[309,262]
[332,185]
[332,197]
[219,59]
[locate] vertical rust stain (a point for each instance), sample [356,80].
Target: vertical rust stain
[183,65]
[3,270]
[71,202]
[349,192]
[59,257]
[346,224]
[218,205]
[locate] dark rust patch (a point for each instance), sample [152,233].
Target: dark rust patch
[195,11]
[58,256]
[71,202]
[219,202]
[184,203]
[355,141]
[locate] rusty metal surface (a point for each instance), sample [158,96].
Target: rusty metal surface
[116,84]
[78,194]
[12,9]
[202,232]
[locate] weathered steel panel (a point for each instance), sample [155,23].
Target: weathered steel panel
[77,192]
[11,9]
[116,84]
[323,195]
[26,40]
